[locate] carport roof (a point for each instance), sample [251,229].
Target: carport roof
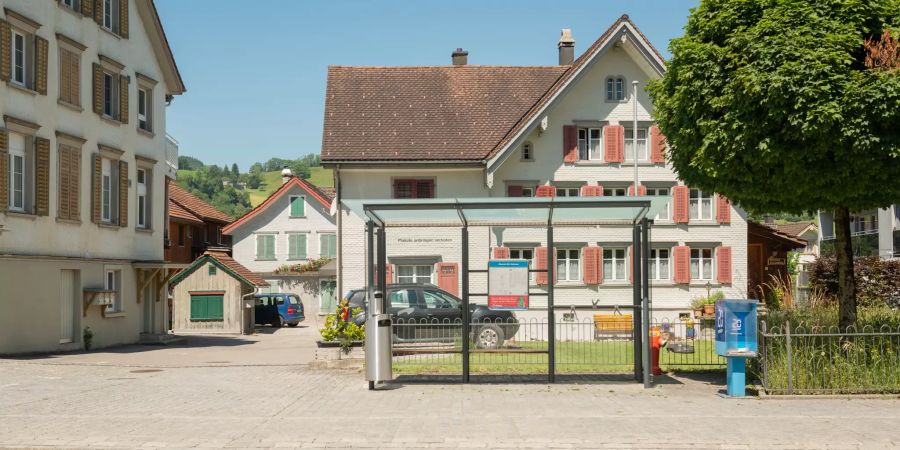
[505,211]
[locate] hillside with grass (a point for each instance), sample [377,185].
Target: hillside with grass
[271,181]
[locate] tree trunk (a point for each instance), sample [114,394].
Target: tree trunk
[846,282]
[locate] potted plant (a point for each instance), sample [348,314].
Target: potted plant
[697,306]
[709,306]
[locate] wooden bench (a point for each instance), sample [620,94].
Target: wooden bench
[613,325]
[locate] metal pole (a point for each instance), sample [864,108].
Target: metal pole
[636,301]
[634,134]
[645,294]
[465,303]
[381,282]
[370,264]
[551,275]
[790,362]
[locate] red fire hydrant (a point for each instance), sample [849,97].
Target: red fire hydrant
[654,351]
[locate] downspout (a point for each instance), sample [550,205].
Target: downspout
[340,234]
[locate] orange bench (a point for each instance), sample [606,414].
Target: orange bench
[613,325]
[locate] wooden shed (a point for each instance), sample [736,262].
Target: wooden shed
[767,257]
[209,296]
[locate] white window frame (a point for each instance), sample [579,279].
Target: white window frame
[112,281]
[589,147]
[615,89]
[519,253]
[110,14]
[106,180]
[614,191]
[569,257]
[145,109]
[644,154]
[415,277]
[14,49]
[701,203]
[527,151]
[666,213]
[305,235]
[143,208]
[324,234]
[614,256]
[17,151]
[568,191]
[527,191]
[699,260]
[656,263]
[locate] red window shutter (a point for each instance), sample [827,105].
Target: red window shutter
[630,263]
[723,209]
[612,134]
[680,213]
[448,277]
[723,265]
[389,274]
[501,252]
[591,265]
[545,191]
[540,263]
[591,191]
[514,191]
[657,146]
[681,256]
[600,264]
[570,143]
[642,190]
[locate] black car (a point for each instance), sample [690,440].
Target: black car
[424,312]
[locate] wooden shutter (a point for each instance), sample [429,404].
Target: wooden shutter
[123,194]
[681,256]
[98,88]
[570,143]
[680,212]
[298,206]
[96,189]
[545,191]
[723,265]
[4,170]
[540,263]
[41,49]
[657,146]
[642,190]
[614,143]
[123,18]
[591,265]
[98,11]
[448,277]
[514,191]
[389,274]
[5,51]
[42,176]
[723,210]
[123,99]
[63,196]
[87,8]
[501,253]
[591,191]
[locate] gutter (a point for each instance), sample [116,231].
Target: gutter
[340,234]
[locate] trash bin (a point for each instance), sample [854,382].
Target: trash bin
[378,349]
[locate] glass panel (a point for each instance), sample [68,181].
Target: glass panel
[400,299]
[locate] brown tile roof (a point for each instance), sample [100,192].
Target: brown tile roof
[196,206]
[328,192]
[236,267]
[792,229]
[432,113]
[176,212]
[768,232]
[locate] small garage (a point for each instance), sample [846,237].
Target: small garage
[767,258]
[209,296]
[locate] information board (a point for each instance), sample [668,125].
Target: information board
[508,284]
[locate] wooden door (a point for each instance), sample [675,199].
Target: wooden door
[755,270]
[67,306]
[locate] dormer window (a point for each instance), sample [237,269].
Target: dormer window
[615,89]
[527,152]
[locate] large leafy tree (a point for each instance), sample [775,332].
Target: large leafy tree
[790,106]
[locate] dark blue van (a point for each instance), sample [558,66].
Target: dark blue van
[279,310]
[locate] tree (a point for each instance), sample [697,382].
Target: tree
[189,163]
[234,171]
[771,104]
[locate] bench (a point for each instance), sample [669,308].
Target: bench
[613,325]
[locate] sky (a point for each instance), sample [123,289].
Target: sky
[256,71]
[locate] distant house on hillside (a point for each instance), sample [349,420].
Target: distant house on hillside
[293,226]
[194,227]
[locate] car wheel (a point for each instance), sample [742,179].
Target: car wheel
[293,324]
[278,322]
[489,336]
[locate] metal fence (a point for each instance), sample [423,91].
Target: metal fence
[826,360]
[589,346]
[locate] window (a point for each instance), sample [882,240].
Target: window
[327,245]
[526,254]
[615,89]
[298,206]
[327,297]
[110,95]
[265,247]
[515,190]
[701,205]
[296,245]
[413,188]
[211,269]
[567,191]
[439,300]
[614,264]
[18,175]
[641,144]
[111,15]
[659,264]
[589,144]
[144,109]
[661,192]
[568,263]
[143,205]
[527,152]
[207,306]
[69,76]
[19,59]
[113,282]
[414,274]
[614,192]
[402,298]
[106,191]
[74,4]
[701,264]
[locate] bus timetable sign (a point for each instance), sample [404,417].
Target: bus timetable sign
[508,284]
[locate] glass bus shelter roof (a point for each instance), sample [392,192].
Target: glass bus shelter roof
[508,211]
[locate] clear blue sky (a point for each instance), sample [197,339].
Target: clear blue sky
[255,71]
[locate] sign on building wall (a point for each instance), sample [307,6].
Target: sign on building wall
[508,284]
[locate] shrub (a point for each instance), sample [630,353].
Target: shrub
[336,330]
[877,280]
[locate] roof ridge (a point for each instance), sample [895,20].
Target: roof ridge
[467,66]
[295,180]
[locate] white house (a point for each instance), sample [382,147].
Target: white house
[83,169]
[495,131]
[294,226]
[874,232]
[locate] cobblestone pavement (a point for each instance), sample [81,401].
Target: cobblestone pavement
[104,401]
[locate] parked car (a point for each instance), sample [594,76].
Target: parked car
[279,310]
[424,312]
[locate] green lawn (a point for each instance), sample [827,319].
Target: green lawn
[321,177]
[318,176]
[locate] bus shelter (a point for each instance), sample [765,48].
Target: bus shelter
[539,212]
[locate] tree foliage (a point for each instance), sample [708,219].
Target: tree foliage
[207,184]
[189,163]
[770,103]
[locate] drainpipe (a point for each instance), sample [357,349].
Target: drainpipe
[340,234]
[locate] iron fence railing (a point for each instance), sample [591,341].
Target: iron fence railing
[828,360]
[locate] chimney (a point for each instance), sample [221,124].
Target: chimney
[460,57]
[286,174]
[566,47]
[769,219]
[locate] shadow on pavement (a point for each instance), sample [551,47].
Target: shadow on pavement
[518,379]
[189,342]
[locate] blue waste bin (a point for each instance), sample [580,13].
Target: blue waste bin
[736,340]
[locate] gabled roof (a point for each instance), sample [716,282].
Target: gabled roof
[160,43]
[768,232]
[224,262]
[794,229]
[310,189]
[177,213]
[195,206]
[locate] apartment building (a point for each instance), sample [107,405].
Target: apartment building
[84,161]
[873,232]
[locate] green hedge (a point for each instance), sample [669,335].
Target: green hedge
[877,280]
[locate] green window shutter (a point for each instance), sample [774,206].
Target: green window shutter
[198,307]
[215,307]
[265,246]
[298,206]
[328,244]
[297,246]
[270,246]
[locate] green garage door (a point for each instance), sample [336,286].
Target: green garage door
[207,306]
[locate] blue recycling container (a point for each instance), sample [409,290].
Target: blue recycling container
[736,340]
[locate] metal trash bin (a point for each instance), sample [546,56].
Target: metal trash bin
[378,349]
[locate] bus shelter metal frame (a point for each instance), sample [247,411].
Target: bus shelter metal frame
[376,262]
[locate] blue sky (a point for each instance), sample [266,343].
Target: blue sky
[255,71]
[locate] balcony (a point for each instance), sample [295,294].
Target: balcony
[864,244]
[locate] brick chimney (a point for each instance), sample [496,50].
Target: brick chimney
[460,57]
[566,47]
